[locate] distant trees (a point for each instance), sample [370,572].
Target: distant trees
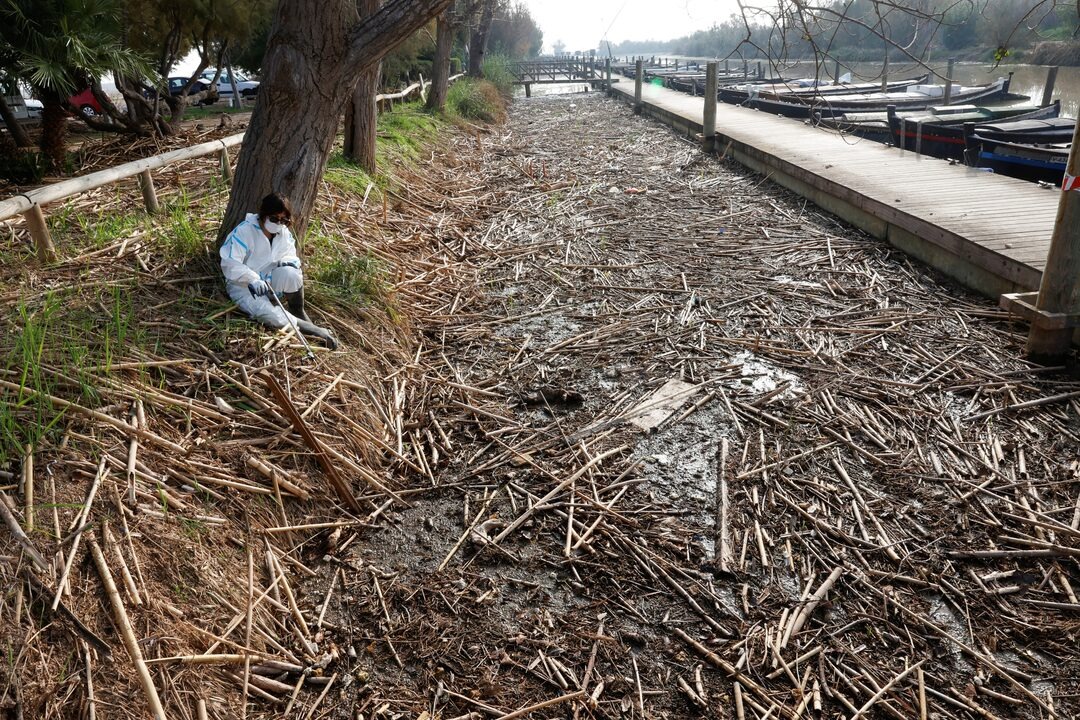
[514,32]
[912,30]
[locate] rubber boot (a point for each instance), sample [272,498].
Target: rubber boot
[296,305]
[312,330]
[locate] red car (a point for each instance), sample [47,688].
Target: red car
[86,103]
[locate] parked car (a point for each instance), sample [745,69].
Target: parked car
[176,86]
[20,107]
[86,103]
[247,88]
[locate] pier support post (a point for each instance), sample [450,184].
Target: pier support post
[639,78]
[948,80]
[607,74]
[1059,292]
[1048,89]
[836,72]
[727,67]
[708,135]
[528,90]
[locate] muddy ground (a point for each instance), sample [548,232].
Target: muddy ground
[821,509]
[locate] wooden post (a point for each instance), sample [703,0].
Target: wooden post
[39,231]
[148,193]
[836,72]
[528,90]
[1048,90]
[948,80]
[607,74]
[708,136]
[745,70]
[639,77]
[971,151]
[727,67]
[760,69]
[226,166]
[1059,291]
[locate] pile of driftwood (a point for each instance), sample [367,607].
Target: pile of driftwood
[627,433]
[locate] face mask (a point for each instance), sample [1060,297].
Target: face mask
[271,227]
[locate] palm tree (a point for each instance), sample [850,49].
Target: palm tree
[60,47]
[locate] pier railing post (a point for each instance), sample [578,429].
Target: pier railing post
[639,78]
[708,134]
[1059,291]
[948,80]
[1048,89]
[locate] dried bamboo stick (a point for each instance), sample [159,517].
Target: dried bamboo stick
[123,626]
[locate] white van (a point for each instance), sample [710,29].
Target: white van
[247,88]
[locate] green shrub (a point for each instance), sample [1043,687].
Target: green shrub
[476,100]
[496,70]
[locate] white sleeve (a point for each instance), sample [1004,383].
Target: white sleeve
[288,251]
[234,254]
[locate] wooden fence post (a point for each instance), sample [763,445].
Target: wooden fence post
[146,182]
[226,165]
[708,135]
[638,80]
[39,231]
[1059,291]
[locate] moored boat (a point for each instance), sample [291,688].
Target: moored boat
[915,97]
[1036,162]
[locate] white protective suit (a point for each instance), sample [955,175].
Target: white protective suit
[246,256]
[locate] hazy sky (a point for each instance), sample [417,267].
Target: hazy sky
[581,24]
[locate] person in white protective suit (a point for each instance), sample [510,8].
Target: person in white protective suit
[261,253]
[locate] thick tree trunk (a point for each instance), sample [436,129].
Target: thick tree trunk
[314,50]
[479,38]
[53,128]
[15,128]
[440,67]
[362,112]
[361,120]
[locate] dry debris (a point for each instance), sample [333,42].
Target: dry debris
[634,434]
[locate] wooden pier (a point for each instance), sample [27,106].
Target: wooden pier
[989,232]
[568,69]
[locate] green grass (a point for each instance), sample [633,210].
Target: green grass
[407,130]
[213,111]
[356,280]
[401,135]
[103,229]
[48,351]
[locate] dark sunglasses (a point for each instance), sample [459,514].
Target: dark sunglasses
[279,219]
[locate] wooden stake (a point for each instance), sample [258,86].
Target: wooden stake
[39,231]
